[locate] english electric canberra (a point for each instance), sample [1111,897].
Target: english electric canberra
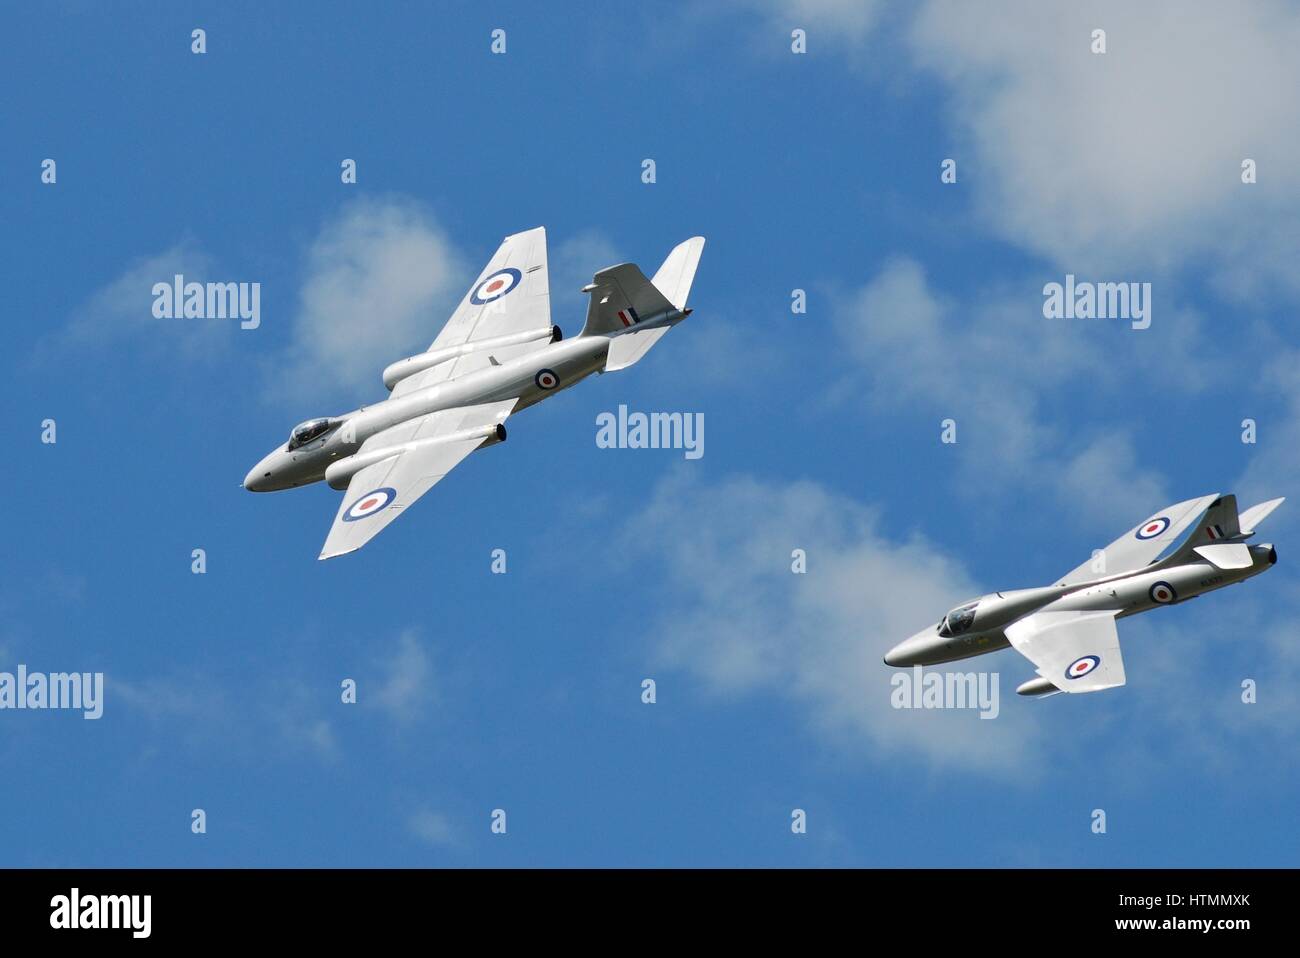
[497,354]
[1067,630]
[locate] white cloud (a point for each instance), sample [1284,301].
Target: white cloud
[833,21]
[1105,482]
[381,280]
[987,365]
[1275,457]
[201,711]
[1126,165]
[432,828]
[287,706]
[191,696]
[1128,162]
[123,309]
[737,618]
[298,712]
[405,688]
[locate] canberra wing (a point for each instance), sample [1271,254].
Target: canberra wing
[511,295]
[1075,651]
[1142,544]
[381,491]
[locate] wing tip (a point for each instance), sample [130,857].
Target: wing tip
[335,554]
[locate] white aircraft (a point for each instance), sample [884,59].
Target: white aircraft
[497,354]
[1067,630]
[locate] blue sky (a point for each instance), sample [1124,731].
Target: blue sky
[523,691]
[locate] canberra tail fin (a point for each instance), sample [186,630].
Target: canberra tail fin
[634,311]
[675,276]
[621,297]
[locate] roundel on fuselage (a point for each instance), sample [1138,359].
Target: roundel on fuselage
[1162,592]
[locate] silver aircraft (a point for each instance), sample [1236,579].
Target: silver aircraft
[497,354]
[1067,630]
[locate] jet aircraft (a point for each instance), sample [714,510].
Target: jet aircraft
[498,354]
[1067,629]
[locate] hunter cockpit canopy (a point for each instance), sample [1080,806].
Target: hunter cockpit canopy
[958,620]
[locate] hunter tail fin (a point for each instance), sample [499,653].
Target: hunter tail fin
[1220,522]
[1221,533]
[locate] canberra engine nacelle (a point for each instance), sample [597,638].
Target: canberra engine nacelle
[340,473]
[411,365]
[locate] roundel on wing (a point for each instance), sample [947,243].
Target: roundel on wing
[368,504]
[1162,592]
[495,286]
[1082,666]
[1152,528]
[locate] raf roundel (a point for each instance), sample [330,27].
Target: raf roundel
[1162,592]
[370,503]
[495,286]
[1153,528]
[1082,666]
[546,379]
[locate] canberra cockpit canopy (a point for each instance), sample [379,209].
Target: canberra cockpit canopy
[305,432]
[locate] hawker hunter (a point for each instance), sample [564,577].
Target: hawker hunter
[1067,629]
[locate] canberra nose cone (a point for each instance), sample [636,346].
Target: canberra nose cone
[257,478]
[267,475]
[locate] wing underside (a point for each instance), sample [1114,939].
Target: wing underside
[1075,651]
[511,295]
[381,491]
[1142,544]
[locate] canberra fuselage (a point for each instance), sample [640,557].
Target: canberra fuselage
[532,377]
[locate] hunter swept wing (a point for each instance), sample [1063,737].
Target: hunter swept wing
[1142,544]
[1075,651]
